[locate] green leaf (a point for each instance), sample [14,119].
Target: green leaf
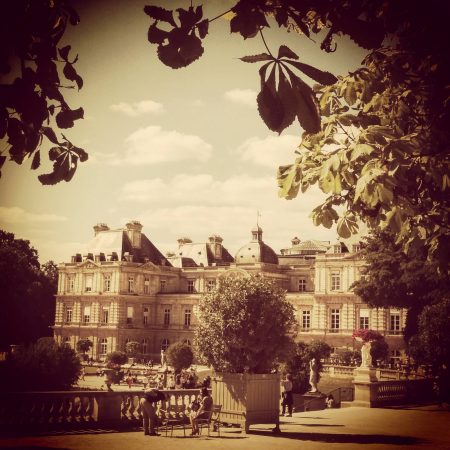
[361,149]
[158,13]
[318,75]
[286,52]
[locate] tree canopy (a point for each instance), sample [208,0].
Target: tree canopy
[179,356]
[391,278]
[376,141]
[244,325]
[35,71]
[28,304]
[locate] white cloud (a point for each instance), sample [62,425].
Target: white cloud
[16,216]
[153,145]
[271,152]
[138,108]
[201,188]
[245,97]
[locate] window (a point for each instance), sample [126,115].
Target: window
[71,283]
[88,279]
[105,314]
[187,342]
[146,285]
[335,281]
[144,345]
[103,346]
[187,317]
[335,320]
[66,341]
[191,287]
[306,320]
[302,285]
[364,319]
[145,314]
[167,316]
[107,283]
[130,284]
[130,311]
[394,323]
[165,344]
[87,314]
[69,314]
[162,286]
[211,285]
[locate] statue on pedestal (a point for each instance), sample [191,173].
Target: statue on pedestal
[366,357]
[313,375]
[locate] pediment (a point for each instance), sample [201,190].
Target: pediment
[150,266]
[88,264]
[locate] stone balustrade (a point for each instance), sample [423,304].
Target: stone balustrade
[336,371]
[81,409]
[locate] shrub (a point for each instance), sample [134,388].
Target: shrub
[116,358]
[179,356]
[244,325]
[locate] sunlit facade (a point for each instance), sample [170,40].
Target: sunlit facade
[122,288]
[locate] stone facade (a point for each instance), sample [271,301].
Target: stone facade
[123,289]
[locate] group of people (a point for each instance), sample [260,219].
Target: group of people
[200,408]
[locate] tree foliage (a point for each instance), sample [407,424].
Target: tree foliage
[27,293]
[35,70]
[390,278]
[83,345]
[431,345]
[132,348]
[116,358]
[179,356]
[244,325]
[298,363]
[43,365]
[376,141]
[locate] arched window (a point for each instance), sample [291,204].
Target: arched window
[165,344]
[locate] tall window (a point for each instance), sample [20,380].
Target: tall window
[335,320]
[187,317]
[88,279]
[130,284]
[69,314]
[66,341]
[144,345]
[335,281]
[162,286]
[130,311]
[103,346]
[302,285]
[105,314]
[71,283]
[306,320]
[394,323]
[165,344]
[191,286]
[107,282]
[167,316]
[146,285]
[87,314]
[364,319]
[145,314]
[187,342]
[211,285]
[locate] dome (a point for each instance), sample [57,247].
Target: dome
[256,251]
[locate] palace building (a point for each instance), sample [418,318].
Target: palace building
[121,288]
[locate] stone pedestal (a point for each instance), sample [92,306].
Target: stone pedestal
[314,401]
[365,375]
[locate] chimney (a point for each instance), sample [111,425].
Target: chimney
[134,229]
[100,227]
[215,245]
[295,241]
[183,240]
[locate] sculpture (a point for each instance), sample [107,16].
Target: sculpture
[366,357]
[313,375]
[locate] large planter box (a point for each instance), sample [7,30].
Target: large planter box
[247,399]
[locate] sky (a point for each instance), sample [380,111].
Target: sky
[183,151]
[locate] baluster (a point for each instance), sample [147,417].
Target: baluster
[123,407]
[89,410]
[64,410]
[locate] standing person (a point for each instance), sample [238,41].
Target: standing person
[204,409]
[286,393]
[148,404]
[82,373]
